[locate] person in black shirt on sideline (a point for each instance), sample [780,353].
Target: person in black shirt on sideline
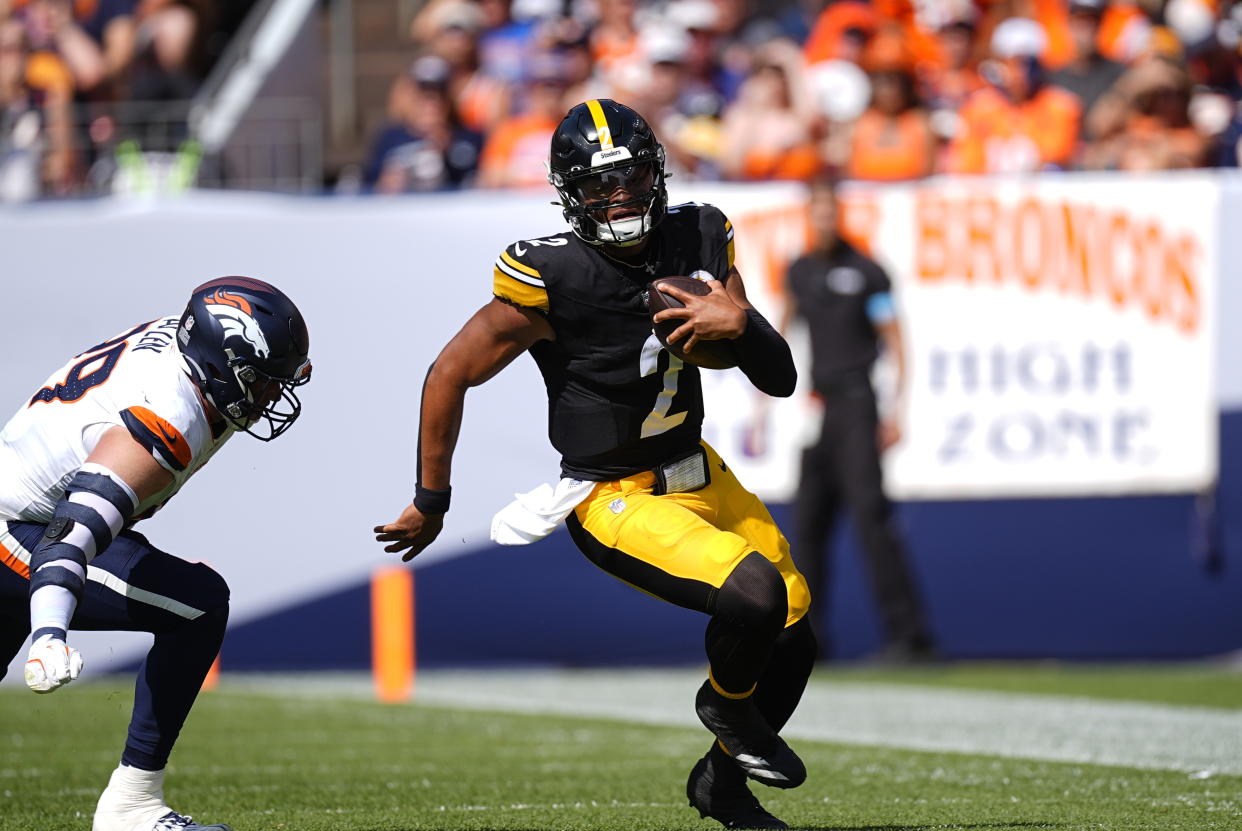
[845,299]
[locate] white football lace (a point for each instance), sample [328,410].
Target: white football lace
[172,821]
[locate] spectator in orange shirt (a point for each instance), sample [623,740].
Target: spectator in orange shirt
[892,140]
[1018,124]
[770,129]
[616,48]
[36,93]
[841,32]
[50,27]
[515,153]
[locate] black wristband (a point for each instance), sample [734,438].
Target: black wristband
[432,502]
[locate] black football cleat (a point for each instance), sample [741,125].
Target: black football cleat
[746,736]
[728,802]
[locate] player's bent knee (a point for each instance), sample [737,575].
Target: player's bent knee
[211,589]
[216,618]
[798,643]
[754,594]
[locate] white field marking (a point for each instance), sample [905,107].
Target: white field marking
[1199,740]
[558,806]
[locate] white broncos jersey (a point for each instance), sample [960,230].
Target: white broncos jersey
[138,381]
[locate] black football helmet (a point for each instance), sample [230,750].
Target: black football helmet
[246,347]
[601,147]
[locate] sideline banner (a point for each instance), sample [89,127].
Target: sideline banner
[1059,336]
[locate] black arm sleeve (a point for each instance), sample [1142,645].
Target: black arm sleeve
[765,357]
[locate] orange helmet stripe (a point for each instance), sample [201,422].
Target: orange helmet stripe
[223,298]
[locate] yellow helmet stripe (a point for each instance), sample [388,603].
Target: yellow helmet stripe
[602,130]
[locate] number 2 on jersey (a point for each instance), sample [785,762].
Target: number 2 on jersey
[658,420]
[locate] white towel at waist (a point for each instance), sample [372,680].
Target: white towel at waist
[533,515]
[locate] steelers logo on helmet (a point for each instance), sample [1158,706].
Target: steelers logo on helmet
[608,169]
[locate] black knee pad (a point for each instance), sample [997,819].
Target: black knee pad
[754,595]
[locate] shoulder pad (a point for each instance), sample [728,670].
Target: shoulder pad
[516,277]
[714,224]
[160,437]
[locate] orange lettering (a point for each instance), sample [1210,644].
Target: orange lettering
[1149,288]
[931,249]
[1181,258]
[1029,242]
[1075,223]
[1117,231]
[981,260]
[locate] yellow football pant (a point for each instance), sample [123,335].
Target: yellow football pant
[681,547]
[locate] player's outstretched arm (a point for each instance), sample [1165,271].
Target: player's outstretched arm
[489,342]
[100,499]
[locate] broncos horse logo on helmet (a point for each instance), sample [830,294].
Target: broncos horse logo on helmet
[247,349]
[234,314]
[603,149]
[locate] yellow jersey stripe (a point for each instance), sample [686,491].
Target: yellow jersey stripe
[518,293]
[525,269]
[602,130]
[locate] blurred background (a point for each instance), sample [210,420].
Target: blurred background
[1049,183]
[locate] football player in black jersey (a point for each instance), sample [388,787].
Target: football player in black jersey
[655,505]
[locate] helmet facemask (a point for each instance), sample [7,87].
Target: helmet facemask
[587,198]
[267,399]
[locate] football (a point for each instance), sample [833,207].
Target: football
[709,354]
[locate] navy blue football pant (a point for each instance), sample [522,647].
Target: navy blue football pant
[133,586]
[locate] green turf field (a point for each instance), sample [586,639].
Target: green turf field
[298,753]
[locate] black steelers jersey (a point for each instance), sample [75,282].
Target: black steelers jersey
[618,402]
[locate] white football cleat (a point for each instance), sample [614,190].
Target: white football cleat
[134,801]
[51,663]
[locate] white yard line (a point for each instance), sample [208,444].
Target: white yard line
[1048,727]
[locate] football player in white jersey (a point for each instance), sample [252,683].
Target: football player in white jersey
[109,438]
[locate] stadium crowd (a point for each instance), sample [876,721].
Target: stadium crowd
[885,90]
[78,76]
[740,90]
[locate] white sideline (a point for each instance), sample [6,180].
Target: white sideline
[1197,740]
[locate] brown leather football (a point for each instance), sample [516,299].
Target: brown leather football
[709,354]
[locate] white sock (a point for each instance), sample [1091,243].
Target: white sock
[133,800]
